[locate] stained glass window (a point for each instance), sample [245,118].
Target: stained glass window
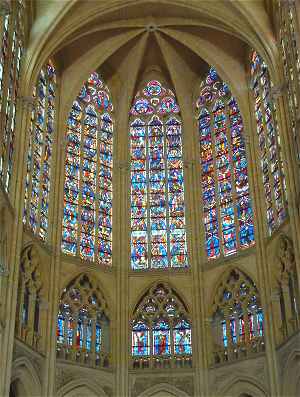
[87,222]
[227,209]
[10,60]
[290,48]
[160,328]
[269,143]
[4,53]
[83,324]
[37,183]
[158,237]
[238,321]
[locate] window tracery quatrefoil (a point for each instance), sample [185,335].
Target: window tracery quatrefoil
[161,329]
[158,236]
[238,320]
[83,323]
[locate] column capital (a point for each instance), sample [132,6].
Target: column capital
[27,102]
[278,90]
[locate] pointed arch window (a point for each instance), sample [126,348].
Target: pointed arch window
[39,158]
[83,324]
[87,221]
[269,143]
[10,64]
[238,320]
[290,47]
[158,237]
[227,209]
[161,330]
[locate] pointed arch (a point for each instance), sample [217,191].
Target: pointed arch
[227,207]
[83,323]
[163,389]
[87,220]
[238,319]
[243,386]
[158,236]
[81,387]
[39,155]
[24,372]
[161,329]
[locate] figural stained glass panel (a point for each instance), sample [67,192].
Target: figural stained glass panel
[37,183]
[158,237]
[227,209]
[160,327]
[10,59]
[87,222]
[269,143]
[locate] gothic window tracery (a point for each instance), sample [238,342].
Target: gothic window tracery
[161,330]
[87,221]
[289,46]
[83,324]
[41,130]
[238,319]
[158,237]
[10,64]
[227,209]
[269,143]
[29,298]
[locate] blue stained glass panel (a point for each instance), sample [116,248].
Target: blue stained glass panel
[161,339]
[157,192]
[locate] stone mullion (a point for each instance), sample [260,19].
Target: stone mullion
[260,224]
[6,13]
[234,196]
[29,147]
[6,79]
[148,219]
[267,147]
[97,191]
[10,99]
[166,192]
[80,185]
[42,159]
[218,205]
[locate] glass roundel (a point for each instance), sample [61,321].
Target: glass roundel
[227,210]
[87,220]
[158,237]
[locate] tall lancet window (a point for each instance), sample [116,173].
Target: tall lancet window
[158,237]
[269,143]
[87,221]
[10,66]
[227,211]
[41,129]
[290,48]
